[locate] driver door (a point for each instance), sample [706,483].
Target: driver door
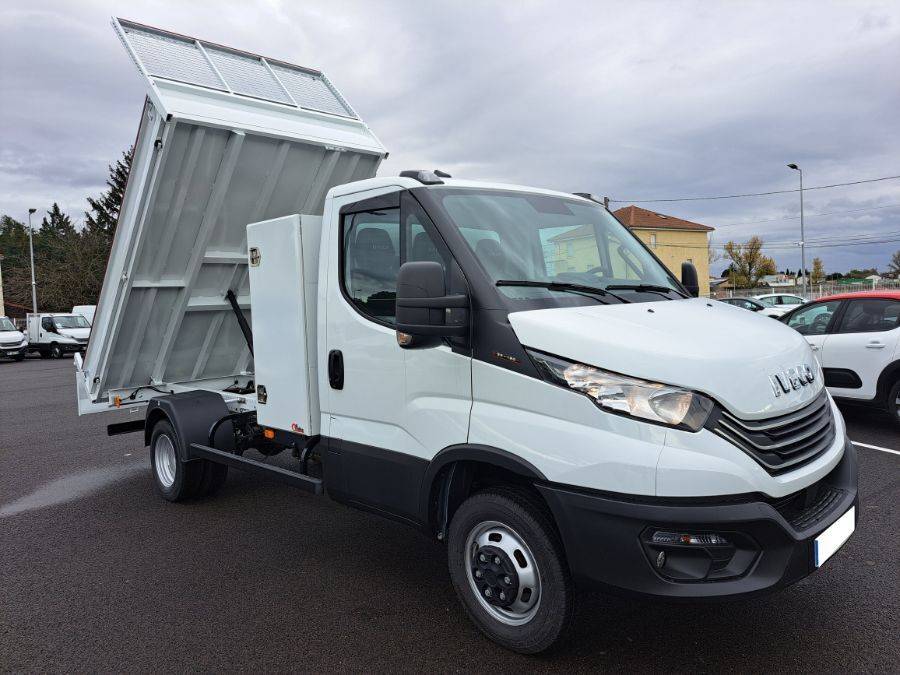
[389,410]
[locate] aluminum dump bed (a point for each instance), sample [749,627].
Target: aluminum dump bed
[227,138]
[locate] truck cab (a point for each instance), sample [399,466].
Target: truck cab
[54,334]
[505,368]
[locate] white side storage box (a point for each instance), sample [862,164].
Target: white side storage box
[284,276]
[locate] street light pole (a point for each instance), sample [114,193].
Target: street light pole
[31,251]
[802,235]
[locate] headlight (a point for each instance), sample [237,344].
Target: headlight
[660,403]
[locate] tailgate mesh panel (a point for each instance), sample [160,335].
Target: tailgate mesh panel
[170,56]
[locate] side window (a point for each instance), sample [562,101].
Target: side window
[814,320]
[376,243]
[371,256]
[870,315]
[791,300]
[47,323]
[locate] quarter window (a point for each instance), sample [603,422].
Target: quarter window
[870,315]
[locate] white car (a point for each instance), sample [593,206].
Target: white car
[779,304]
[13,343]
[856,339]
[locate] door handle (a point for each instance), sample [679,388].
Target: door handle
[875,345]
[336,369]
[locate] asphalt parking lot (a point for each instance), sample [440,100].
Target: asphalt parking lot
[97,573]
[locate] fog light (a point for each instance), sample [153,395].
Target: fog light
[661,559]
[689,539]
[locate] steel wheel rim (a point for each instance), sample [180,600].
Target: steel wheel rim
[164,454]
[520,612]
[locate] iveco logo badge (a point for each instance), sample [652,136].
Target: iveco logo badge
[793,378]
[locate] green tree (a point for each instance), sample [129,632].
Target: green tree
[748,264]
[104,213]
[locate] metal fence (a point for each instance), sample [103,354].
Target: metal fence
[813,292]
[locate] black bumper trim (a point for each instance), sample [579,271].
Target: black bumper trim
[603,536]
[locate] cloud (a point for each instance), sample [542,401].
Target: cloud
[631,100]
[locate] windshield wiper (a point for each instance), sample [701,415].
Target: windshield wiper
[644,288]
[581,289]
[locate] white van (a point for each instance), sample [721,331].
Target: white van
[508,369]
[54,335]
[13,343]
[87,311]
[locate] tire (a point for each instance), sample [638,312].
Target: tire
[175,480]
[20,357]
[56,351]
[893,403]
[514,527]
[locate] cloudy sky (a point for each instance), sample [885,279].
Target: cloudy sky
[632,100]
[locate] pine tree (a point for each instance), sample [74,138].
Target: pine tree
[104,213]
[56,223]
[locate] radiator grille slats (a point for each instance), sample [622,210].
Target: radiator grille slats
[782,442]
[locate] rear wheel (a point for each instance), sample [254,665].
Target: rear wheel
[509,571]
[176,480]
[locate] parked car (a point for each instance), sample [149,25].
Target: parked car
[780,303]
[753,306]
[53,335]
[856,339]
[13,343]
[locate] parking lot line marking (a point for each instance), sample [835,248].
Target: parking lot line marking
[876,447]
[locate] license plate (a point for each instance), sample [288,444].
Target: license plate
[827,543]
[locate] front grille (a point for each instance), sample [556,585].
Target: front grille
[782,442]
[14,343]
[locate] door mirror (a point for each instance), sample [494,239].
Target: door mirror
[689,278]
[424,308]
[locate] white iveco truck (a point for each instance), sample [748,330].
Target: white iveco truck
[507,368]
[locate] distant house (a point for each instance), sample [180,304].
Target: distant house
[780,280]
[672,239]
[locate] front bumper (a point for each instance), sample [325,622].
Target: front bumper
[13,352]
[608,538]
[73,346]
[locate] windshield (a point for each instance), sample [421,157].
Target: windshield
[6,324]
[74,321]
[520,236]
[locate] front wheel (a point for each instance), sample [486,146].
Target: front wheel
[56,351]
[893,403]
[508,568]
